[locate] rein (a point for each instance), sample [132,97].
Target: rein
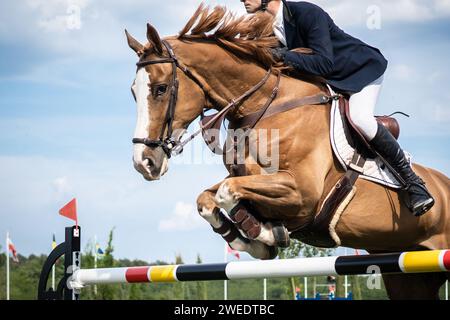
[172,147]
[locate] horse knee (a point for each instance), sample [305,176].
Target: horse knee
[205,199]
[226,196]
[208,210]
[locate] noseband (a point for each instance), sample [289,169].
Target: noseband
[264,4]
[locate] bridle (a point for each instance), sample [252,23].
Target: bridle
[167,143]
[264,4]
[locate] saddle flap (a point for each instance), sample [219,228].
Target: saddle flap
[388,122]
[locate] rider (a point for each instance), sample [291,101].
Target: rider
[349,66]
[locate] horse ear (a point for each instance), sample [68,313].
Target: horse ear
[153,38]
[134,44]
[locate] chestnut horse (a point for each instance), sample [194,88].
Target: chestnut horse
[217,58]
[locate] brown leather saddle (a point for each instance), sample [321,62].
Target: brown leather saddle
[317,232]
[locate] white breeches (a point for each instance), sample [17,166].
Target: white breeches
[361,107]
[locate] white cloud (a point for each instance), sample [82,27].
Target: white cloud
[100,36]
[62,186]
[443,6]
[57,15]
[185,217]
[102,22]
[351,12]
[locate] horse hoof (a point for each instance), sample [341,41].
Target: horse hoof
[273,253]
[281,235]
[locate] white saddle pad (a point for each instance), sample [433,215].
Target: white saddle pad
[344,152]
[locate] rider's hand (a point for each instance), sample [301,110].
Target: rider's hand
[279,53]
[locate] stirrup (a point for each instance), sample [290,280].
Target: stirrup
[424,206]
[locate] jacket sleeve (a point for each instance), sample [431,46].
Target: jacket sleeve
[318,38]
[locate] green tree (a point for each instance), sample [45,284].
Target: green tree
[180,288]
[107,292]
[202,290]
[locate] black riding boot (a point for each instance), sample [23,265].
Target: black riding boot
[420,200]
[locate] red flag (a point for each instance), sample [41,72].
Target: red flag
[13,250]
[233,252]
[70,210]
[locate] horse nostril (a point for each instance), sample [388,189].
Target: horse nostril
[149,162]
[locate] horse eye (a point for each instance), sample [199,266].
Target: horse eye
[159,90]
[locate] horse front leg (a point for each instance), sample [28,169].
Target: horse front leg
[208,209]
[276,193]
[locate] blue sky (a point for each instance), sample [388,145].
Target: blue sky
[67,118]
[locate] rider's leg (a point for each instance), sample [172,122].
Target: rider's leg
[362,105]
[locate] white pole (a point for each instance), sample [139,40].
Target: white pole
[446,290]
[306,287]
[225,283]
[346,281]
[53,278]
[7,265]
[53,268]
[95,261]
[265,288]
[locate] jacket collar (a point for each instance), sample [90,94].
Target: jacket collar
[289,26]
[287,14]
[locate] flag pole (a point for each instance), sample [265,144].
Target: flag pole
[346,279]
[306,288]
[7,265]
[95,261]
[53,268]
[225,283]
[265,288]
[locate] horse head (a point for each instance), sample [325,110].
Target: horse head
[167,102]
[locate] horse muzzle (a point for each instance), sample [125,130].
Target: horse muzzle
[152,163]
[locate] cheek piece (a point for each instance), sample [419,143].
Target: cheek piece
[264,4]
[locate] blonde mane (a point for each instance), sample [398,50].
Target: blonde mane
[248,37]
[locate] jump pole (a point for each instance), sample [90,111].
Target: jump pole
[76,278]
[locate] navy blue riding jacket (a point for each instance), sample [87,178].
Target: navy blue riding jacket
[347,63]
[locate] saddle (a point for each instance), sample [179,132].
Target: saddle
[320,231]
[354,135]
